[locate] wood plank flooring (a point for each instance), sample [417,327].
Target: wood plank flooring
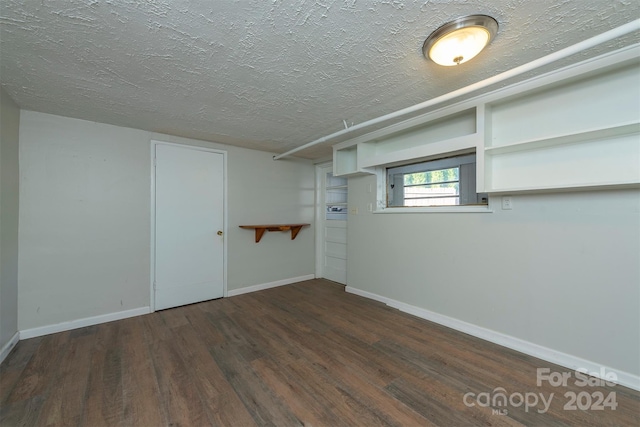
[304,354]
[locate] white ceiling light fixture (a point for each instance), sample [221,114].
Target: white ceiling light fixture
[458,41]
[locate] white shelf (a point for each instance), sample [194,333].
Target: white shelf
[338,187]
[570,129]
[559,188]
[437,134]
[578,133]
[435,209]
[570,138]
[344,161]
[569,107]
[591,163]
[424,151]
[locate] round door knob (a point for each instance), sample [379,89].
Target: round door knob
[219,233]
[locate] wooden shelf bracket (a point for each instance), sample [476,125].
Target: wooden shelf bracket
[260,229]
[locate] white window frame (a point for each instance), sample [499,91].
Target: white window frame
[437,163]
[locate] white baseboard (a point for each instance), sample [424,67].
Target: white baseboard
[559,358]
[6,349]
[81,323]
[95,320]
[275,284]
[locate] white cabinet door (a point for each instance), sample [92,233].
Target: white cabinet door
[189,220]
[335,251]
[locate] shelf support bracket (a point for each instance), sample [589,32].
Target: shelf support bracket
[260,229]
[259,233]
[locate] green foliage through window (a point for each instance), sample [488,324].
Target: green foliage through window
[448,181]
[442,175]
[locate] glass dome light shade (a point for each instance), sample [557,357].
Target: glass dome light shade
[461,40]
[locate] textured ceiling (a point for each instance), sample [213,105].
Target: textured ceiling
[271,75]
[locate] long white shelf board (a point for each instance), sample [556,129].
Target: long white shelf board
[569,138]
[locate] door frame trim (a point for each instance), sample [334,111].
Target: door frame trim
[152,258]
[320,218]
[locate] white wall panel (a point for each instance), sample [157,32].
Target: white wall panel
[559,270]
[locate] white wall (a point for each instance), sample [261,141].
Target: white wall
[85,218]
[559,270]
[9,172]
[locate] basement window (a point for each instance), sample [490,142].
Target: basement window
[449,181]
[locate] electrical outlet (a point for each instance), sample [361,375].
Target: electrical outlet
[507,203]
[354,211]
[370,207]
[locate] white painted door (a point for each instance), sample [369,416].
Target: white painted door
[333,226]
[189,221]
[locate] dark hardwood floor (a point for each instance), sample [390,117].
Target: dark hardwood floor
[304,354]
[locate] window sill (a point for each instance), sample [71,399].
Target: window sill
[436,209]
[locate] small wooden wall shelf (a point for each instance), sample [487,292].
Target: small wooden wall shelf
[260,229]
